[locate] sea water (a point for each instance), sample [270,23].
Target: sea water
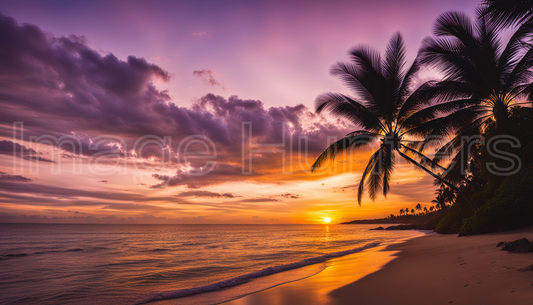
[135,264]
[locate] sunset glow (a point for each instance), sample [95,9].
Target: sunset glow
[176,119]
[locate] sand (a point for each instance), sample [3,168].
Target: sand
[433,269]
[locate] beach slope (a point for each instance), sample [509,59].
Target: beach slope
[433,269]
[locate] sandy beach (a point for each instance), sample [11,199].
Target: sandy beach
[433,269]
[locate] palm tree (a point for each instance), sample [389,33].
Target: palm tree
[482,81]
[431,208]
[413,211]
[425,210]
[418,207]
[444,195]
[401,211]
[508,12]
[383,110]
[448,194]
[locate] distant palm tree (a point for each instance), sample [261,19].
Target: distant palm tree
[418,207]
[448,194]
[482,80]
[431,208]
[425,210]
[508,12]
[401,211]
[444,195]
[412,211]
[384,109]
[440,201]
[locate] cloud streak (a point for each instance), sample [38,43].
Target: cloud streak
[207,77]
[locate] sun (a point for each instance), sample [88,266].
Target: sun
[327,220]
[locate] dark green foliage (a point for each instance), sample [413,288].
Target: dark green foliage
[452,221]
[510,208]
[503,203]
[432,224]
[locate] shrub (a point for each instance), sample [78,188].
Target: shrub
[511,207]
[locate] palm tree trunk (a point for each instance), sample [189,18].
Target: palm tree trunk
[432,162]
[436,177]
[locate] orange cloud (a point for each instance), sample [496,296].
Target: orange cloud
[201,34]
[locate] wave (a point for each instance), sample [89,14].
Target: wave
[157,250]
[163,295]
[13,255]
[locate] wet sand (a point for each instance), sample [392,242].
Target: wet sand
[433,269]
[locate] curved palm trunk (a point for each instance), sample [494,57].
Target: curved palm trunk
[431,161]
[458,191]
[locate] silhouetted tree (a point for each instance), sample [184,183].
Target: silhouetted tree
[385,109]
[508,12]
[482,79]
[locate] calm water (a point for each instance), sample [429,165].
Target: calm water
[129,264]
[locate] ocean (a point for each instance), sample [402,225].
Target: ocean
[137,264]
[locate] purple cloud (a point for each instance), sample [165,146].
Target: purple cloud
[207,77]
[60,86]
[200,193]
[5,176]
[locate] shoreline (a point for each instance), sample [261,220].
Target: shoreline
[316,289]
[431,269]
[328,274]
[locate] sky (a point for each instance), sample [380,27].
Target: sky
[189,111]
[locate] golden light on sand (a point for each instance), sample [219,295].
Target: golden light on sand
[327,220]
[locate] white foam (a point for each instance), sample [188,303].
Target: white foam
[162,295]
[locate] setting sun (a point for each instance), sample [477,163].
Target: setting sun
[327,220]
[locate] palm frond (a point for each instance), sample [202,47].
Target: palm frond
[348,108]
[508,12]
[368,169]
[387,168]
[393,66]
[375,181]
[342,145]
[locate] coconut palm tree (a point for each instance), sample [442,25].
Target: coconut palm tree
[418,207]
[426,210]
[439,202]
[401,211]
[443,197]
[448,194]
[508,12]
[482,80]
[383,110]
